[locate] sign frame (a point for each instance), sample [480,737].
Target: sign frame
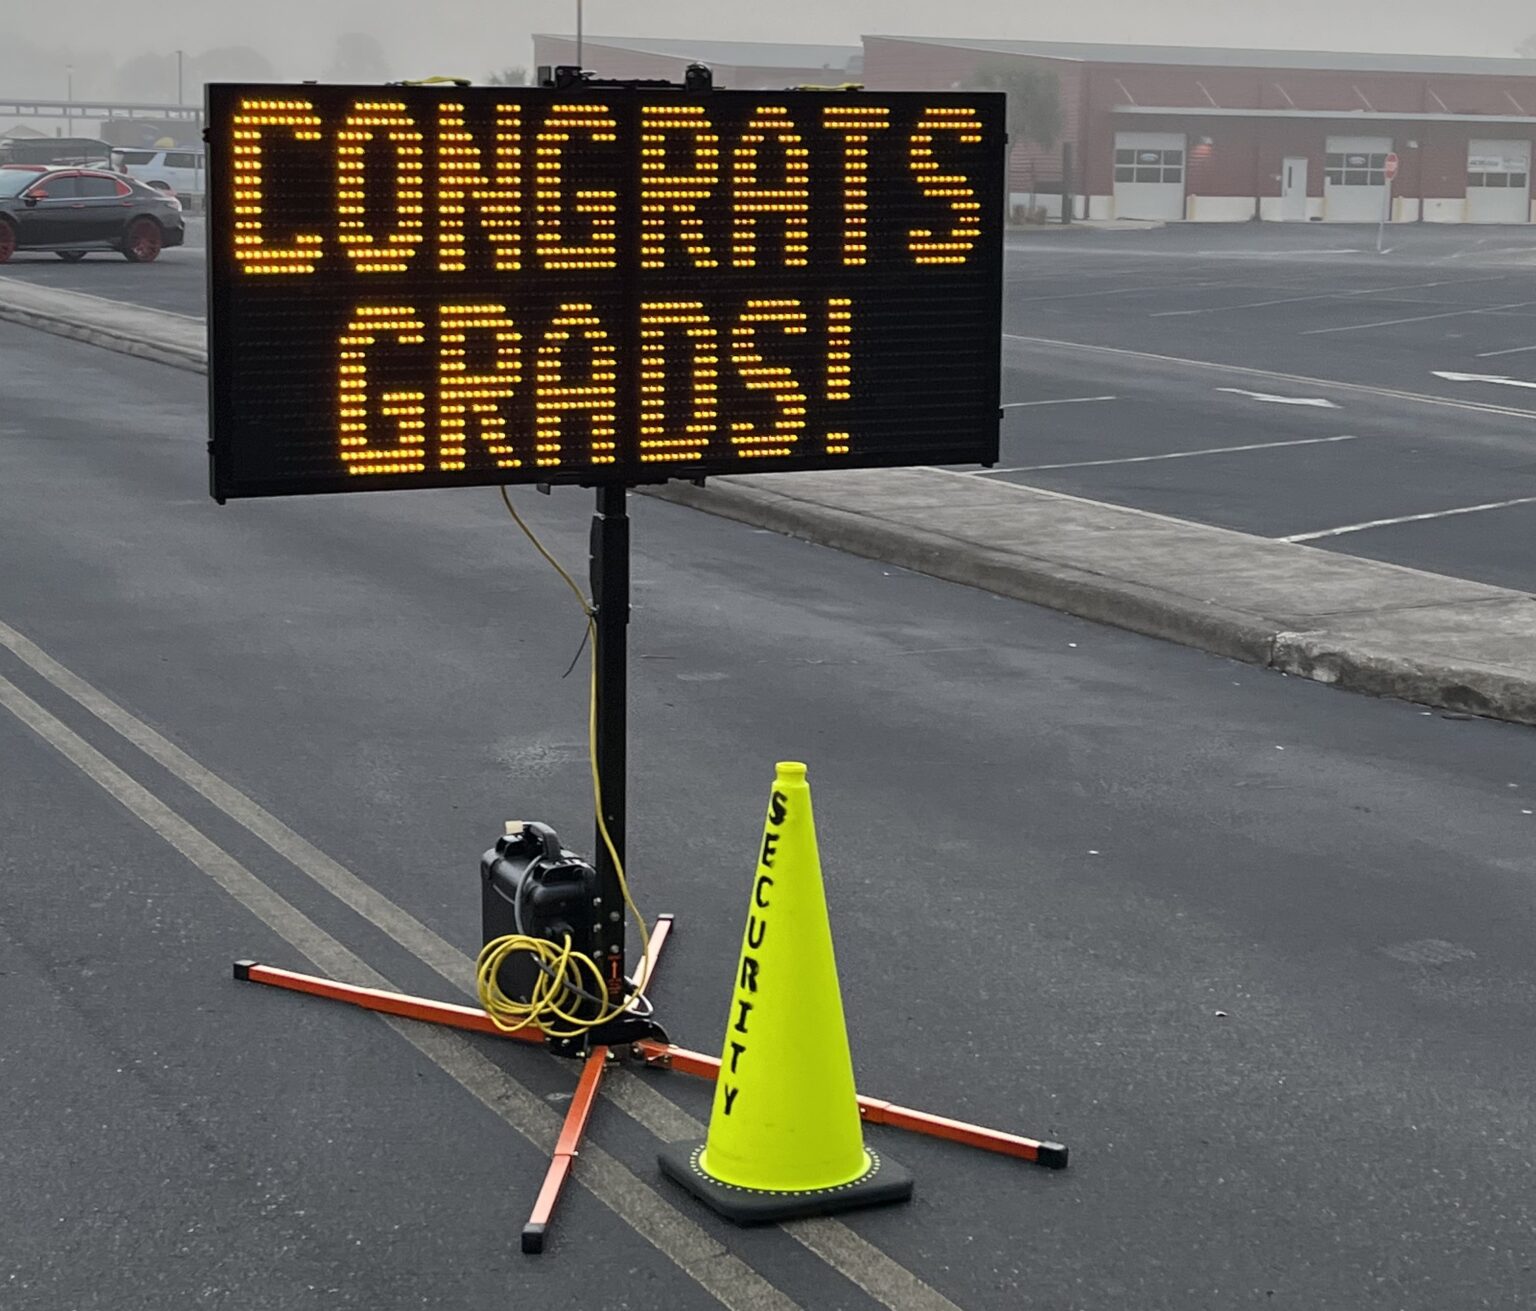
[976,416]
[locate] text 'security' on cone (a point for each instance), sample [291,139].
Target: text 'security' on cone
[785,1138]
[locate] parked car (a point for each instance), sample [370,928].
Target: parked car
[181,172]
[74,211]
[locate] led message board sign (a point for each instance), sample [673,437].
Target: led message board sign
[437,286]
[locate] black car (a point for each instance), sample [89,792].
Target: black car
[73,211]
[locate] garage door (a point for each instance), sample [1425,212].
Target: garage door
[1499,182]
[1149,175]
[1355,181]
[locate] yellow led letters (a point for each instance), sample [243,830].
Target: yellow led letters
[839,364]
[956,188]
[598,204]
[685,319]
[463,397]
[248,128]
[598,284]
[407,408]
[664,191]
[462,181]
[759,375]
[856,123]
[371,253]
[750,198]
[557,395]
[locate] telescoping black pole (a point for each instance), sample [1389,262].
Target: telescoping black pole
[610,597]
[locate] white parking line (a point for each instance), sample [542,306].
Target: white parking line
[1498,380]
[1170,455]
[1513,350]
[1407,518]
[1419,318]
[1066,400]
[1329,295]
[1316,402]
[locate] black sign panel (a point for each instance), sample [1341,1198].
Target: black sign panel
[440,286]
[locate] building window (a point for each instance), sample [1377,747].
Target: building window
[1515,180]
[1149,166]
[1352,170]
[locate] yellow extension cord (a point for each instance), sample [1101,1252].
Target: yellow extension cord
[562,968]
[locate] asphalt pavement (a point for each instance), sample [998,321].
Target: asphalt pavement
[1259,953]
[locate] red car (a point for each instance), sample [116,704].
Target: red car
[73,211]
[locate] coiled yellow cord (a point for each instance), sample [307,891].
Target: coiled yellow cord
[560,976]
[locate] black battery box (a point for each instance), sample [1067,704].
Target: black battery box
[530,884]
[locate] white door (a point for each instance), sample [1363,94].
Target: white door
[1498,182]
[1355,183]
[1293,190]
[1149,175]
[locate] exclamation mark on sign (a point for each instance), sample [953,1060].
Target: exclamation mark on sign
[839,364]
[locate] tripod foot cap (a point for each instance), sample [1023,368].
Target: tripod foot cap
[243,970]
[533,1239]
[1053,1156]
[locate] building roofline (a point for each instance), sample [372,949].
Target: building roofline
[1086,52]
[660,46]
[1337,115]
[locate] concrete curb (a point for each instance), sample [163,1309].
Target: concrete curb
[122,343]
[1487,692]
[1333,654]
[1076,591]
[147,334]
[1356,624]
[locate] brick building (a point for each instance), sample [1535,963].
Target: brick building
[1232,135]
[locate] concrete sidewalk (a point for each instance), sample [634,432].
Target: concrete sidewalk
[135,330]
[1360,624]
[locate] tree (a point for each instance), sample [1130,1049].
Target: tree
[1034,105]
[1034,101]
[513,75]
[358,57]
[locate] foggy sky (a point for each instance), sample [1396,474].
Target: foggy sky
[472,37]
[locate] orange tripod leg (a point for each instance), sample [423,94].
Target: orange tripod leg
[566,1149]
[877,1111]
[389,1003]
[575,1128]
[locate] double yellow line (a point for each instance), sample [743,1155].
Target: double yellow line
[733,1283]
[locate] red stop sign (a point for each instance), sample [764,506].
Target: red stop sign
[1391,169]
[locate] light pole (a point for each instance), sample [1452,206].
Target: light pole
[69,100]
[578,32]
[180,99]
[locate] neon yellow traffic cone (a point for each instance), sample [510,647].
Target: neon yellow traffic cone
[785,1138]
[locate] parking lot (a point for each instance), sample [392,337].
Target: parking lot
[1289,383]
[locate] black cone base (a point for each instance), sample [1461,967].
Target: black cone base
[884,1182]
